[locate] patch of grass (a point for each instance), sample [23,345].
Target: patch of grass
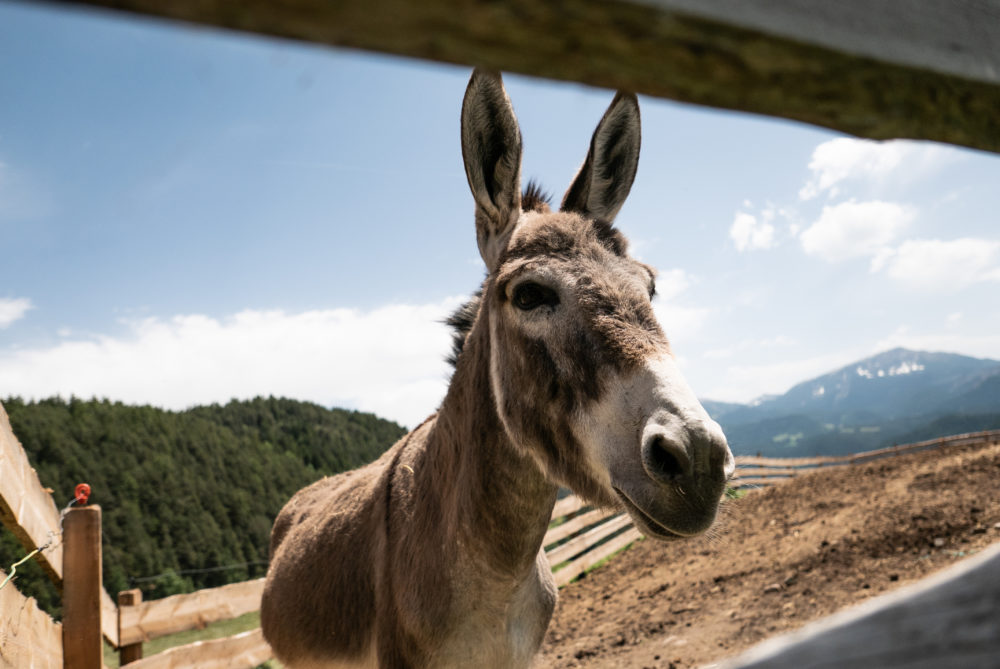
[791,439]
[218,630]
[735,493]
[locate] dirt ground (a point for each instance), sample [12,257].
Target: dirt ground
[781,557]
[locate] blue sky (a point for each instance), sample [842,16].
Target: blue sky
[189,215]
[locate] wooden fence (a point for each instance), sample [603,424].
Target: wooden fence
[755,471]
[894,68]
[579,538]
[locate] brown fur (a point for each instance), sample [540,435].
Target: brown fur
[431,555]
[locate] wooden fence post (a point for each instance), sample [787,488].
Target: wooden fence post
[82,639]
[133,651]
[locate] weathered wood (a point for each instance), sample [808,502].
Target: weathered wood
[236,652]
[574,525]
[751,482]
[566,506]
[26,509]
[764,472]
[82,638]
[28,636]
[149,620]
[588,538]
[109,618]
[947,620]
[894,68]
[746,461]
[132,651]
[589,559]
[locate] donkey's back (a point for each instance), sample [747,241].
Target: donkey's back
[320,593]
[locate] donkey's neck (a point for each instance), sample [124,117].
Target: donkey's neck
[504,501]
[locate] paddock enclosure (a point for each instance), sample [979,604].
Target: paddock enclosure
[579,539]
[893,69]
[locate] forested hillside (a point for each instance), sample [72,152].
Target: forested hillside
[184,493]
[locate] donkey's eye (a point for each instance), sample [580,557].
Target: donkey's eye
[528,296]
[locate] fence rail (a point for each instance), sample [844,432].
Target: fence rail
[579,538]
[752,470]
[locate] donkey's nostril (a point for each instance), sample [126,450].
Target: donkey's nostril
[664,460]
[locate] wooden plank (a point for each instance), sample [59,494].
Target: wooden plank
[758,461]
[26,509]
[751,482]
[109,618]
[588,560]
[566,506]
[178,613]
[577,523]
[588,538]
[28,636]
[894,68]
[241,651]
[764,472]
[947,620]
[746,461]
[82,588]
[133,651]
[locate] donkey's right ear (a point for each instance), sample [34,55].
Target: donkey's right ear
[491,148]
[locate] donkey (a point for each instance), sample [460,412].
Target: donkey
[431,556]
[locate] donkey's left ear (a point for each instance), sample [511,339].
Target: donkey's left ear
[491,149]
[603,182]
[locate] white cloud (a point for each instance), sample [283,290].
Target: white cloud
[671,283]
[847,159]
[389,360]
[852,229]
[681,324]
[933,264]
[749,234]
[13,309]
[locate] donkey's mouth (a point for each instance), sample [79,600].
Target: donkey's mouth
[646,524]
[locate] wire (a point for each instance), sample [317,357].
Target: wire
[48,542]
[204,570]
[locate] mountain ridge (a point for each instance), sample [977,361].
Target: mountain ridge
[868,403]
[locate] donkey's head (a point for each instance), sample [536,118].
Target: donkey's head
[582,374]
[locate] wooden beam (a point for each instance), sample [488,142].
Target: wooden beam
[566,506]
[82,588]
[149,620]
[26,508]
[946,620]
[580,543]
[28,637]
[588,560]
[244,650]
[574,525]
[132,651]
[894,68]
[109,618]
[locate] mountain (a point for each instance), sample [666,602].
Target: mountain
[872,402]
[188,497]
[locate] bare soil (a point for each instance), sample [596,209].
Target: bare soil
[781,557]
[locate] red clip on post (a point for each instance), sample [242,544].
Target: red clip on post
[81,494]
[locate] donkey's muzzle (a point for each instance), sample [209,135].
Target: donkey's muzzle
[687,468]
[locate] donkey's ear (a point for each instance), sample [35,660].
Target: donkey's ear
[603,182]
[491,148]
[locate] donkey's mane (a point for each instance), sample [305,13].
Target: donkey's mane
[535,199]
[461,320]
